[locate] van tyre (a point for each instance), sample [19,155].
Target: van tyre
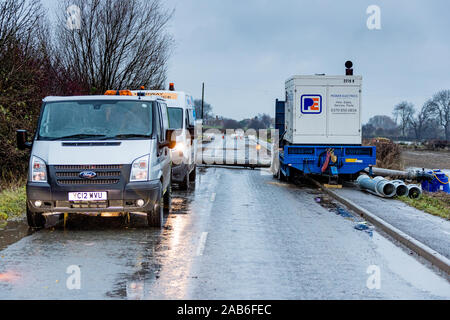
[35,220]
[184,185]
[193,174]
[168,198]
[155,217]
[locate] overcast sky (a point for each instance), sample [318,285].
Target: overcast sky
[244,50]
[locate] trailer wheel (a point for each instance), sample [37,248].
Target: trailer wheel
[281,176]
[35,220]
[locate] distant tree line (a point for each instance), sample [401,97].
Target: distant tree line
[108,44]
[207,110]
[261,121]
[431,121]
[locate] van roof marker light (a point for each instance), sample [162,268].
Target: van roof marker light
[119,93]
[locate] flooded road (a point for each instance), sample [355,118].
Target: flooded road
[239,234]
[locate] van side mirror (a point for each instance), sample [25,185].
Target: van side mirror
[22,140]
[191,130]
[171,138]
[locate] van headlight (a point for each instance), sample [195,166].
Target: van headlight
[38,170]
[180,147]
[139,169]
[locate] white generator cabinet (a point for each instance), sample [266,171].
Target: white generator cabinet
[323,110]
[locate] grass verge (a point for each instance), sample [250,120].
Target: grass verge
[12,203]
[437,204]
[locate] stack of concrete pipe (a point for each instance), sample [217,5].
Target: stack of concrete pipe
[388,189]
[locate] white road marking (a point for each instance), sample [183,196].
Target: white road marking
[201,246]
[213,197]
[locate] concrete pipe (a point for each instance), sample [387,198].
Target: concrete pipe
[365,182]
[414,191]
[378,185]
[401,188]
[385,188]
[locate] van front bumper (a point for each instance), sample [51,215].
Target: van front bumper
[119,200]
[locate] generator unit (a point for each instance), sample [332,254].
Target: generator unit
[322,126]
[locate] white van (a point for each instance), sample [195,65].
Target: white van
[100,155]
[182,117]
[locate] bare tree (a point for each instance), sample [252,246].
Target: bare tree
[403,113]
[120,44]
[20,21]
[207,109]
[25,77]
[421,122]
[266,120]
[21,39]
[440,104]
[383,121]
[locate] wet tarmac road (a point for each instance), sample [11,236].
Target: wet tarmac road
[239,235]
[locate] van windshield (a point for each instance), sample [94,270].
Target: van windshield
[96,120]
[175,118]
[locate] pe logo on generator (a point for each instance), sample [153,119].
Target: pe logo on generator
[311,104]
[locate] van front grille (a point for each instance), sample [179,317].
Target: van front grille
[89,167]
[87,182]
[69,175]
[77,174]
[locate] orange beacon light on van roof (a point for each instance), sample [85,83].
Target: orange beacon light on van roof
[119,93]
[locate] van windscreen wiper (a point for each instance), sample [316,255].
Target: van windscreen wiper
[80,136]
[132,135]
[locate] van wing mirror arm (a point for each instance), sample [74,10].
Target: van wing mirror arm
[22,140]
[171,139]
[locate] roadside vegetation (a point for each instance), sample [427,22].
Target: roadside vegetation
[129,46]
[388,153]
[437,204]
[12,204]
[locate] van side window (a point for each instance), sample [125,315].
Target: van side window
[165,116]
[158,122]
[191,117]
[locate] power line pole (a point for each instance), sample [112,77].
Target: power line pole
[203,100]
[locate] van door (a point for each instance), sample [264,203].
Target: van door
[163,153]
[191,116]
[188,142]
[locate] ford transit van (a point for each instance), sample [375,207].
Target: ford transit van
[101,155]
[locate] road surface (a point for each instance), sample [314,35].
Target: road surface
[238,234]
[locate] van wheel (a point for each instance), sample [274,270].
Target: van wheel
[193,174]
[168,198]
[184,185]
[35,220]
[155,216]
